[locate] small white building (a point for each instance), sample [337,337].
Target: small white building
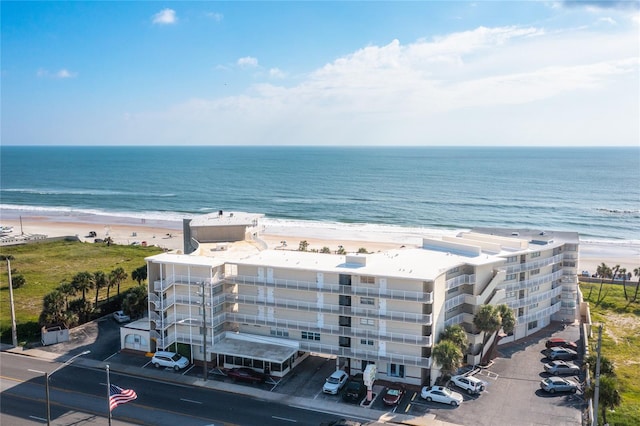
[136,336]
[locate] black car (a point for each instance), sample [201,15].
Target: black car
[244,374]
[354,392]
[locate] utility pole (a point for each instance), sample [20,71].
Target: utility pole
[596,393]
[14,330]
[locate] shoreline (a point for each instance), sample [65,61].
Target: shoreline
[167,234]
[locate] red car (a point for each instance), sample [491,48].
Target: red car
[393,394]
[555,342]
[244,374]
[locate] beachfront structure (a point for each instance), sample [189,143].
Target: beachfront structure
[238,303]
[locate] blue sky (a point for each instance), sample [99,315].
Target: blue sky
[535,73]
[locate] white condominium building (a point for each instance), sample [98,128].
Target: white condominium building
[235,302]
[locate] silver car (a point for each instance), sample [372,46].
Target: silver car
[561,353]
[561,367]
[558,384]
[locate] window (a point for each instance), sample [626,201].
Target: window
[511,277]
[308,335]
[534,289]
[396,370]
[367,342]
[367,280]
[453,290]
[535,271]
[532,325]
[535,254]
[510,294]
[533,306]
[279,332]
[512,259]
[454,270]
[367,321]
[367,301]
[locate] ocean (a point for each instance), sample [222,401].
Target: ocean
[592,191]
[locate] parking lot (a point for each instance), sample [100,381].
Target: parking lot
[512,396]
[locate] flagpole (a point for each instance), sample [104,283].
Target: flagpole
[108,395]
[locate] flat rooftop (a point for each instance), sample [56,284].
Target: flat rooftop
[226,219]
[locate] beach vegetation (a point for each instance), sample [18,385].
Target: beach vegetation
[99,281]
[456,334]
[448,355]
[636,273]
[139,274]
[136,301]
[49,266]
[117,276]
[341,250]
[362,250]
[82,282]
[620,342]
[603,271]
[303,246]
[325,250]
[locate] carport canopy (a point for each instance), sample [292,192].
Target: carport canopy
[256,347]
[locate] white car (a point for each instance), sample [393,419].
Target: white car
[169,360]
[441,394]
[335,382]
[121,317]
[469,383]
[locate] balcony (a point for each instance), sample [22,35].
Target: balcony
[297,305]
[366,355]
[536,264]
[410,339]
[412,296]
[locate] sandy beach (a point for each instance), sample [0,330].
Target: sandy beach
[168,235]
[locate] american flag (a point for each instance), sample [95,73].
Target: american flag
[118,396]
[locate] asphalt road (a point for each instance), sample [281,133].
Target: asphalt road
[82,391]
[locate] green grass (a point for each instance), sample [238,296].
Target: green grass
[46,265]
[620,344]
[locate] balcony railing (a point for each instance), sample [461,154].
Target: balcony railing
[410,339]
[366,355]
[514,269]
[414,296]
[536,298]
[519,285]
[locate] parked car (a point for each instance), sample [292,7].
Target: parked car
[335,382]
[169,360]
[561,367]
[393,394]
[441,394]
[354,391]
[558,384]
[561,353]
[121,317]
[244,374]
[471,384]
[562,343]
[341,422]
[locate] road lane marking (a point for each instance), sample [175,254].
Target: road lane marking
[38,418]
[36,371]
[284,419]
[190,400]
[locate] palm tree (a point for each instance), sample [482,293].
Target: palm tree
[67,289]
[448,355]
[99,281]
[118,275]
[507,318]
[456,334]
[135,304]
[82,282]
[82,308]
[623,272]
[487,320]
[139,274]
[53,308]
[608,395]
[606,366]
[604,272]
[304,245]
[636,273]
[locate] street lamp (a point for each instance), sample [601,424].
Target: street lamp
[46,382]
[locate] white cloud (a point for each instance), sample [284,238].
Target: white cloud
[247,62]
[61,74]
[215,16]
[496,86]
[608,20]
[165,17]
[276,73]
